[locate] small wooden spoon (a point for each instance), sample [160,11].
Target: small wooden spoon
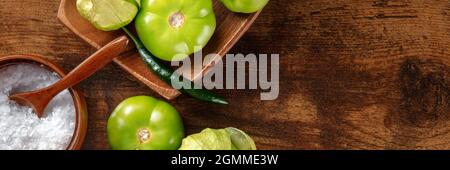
[39,99]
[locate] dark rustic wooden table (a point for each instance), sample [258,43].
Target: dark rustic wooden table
[355,74]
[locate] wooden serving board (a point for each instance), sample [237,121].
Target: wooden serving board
[230,28]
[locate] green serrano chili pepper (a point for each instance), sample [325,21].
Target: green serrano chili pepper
[168,75]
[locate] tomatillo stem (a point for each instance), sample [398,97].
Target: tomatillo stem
[176,20]
[168,75]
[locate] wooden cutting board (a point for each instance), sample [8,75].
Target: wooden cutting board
[230,28]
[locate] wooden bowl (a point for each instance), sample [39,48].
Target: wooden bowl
[78,98]
[230,28]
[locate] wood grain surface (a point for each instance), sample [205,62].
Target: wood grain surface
[355,74]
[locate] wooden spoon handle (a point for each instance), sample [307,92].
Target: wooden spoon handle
[91,65]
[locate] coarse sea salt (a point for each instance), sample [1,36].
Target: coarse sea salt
[20,128]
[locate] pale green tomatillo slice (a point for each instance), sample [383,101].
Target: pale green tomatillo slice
[108,15]
[208,139]
[218,139]
[240,139]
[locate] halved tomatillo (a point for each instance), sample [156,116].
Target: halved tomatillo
[218,139]
[145,123]
[174,29]
[108,15]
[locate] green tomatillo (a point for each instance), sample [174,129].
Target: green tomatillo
[108,15]
[174,29]
[244,6]
[145,123]
[219,139]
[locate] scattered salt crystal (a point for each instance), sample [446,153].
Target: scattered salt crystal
[20,128]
